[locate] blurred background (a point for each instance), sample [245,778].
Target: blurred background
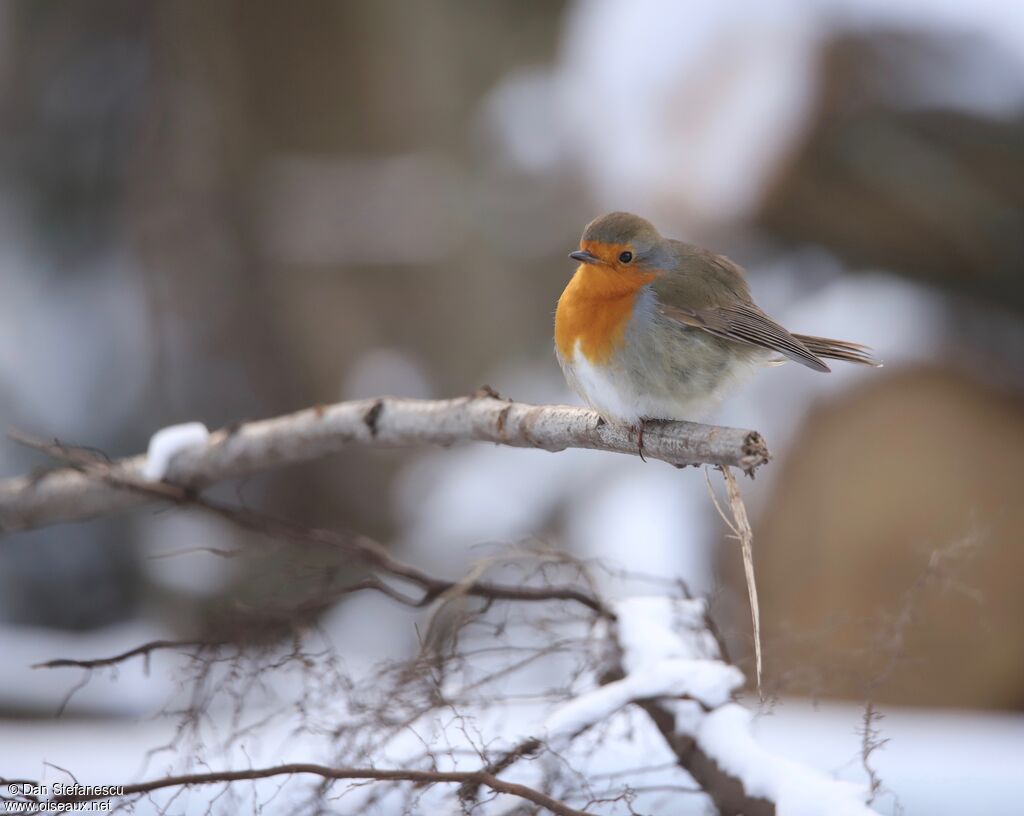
[226,210]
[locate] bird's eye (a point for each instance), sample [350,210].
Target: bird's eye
[626,257]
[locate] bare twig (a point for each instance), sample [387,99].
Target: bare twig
[363,548]
[69,495]
[376,774]
[893,643]
[725,790]
[742,532]
[143,650]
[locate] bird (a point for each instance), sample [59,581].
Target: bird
[650,328]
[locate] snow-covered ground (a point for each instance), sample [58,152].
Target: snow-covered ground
[936,761]
[939,762]
[933,761]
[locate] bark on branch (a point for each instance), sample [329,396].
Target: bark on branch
[71,495]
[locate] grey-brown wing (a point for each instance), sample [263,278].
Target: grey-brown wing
[745,323]
[700,278]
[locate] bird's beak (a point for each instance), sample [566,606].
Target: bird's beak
[583,256]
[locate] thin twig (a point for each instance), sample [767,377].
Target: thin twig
[742,532]
[365,549]
[376,774]
[143,650]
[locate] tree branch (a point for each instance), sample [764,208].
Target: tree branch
[70,495]
[723,788]
[144,650]
[326,772]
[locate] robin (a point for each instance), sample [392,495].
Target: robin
[650,328]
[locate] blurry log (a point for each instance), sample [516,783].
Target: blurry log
[889,176]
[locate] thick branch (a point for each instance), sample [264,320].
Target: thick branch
[724,789]
[69,495]
[382,775]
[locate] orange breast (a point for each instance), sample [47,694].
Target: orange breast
[595,308]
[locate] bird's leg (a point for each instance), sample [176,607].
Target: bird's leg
[640,438]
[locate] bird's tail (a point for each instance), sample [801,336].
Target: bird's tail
[839,350]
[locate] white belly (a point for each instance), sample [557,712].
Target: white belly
[613,393]
[610,396]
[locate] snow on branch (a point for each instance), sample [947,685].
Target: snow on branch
[717,746]
[725,736]
[710,682]
[72,495]
[664,656]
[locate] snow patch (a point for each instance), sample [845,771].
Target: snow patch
[655,628]
[167,443]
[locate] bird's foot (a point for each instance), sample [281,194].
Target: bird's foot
[640,439]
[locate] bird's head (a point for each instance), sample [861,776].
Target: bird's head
[621,241]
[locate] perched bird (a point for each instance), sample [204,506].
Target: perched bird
[652,328]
